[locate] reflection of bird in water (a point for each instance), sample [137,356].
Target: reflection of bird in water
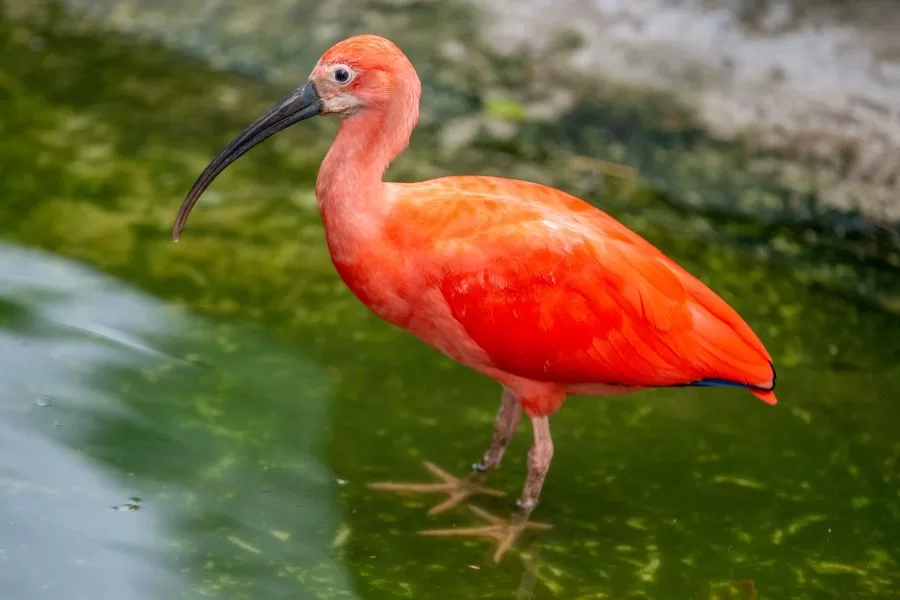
[526,284]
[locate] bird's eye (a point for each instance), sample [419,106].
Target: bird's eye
[341,75]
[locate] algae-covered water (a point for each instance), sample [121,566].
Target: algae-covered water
[200,420]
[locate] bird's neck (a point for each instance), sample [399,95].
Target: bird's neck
[349,188]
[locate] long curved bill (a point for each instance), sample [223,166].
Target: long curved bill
[300,104]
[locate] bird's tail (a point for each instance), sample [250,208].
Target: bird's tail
[767,396]
[733,355]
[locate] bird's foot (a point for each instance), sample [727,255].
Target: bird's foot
[458,490]
[503,531]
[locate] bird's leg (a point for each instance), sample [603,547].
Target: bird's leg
[504,427]
[505,532]
[539,457]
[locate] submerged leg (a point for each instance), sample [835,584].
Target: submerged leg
[506,532]
[539,458]
[504,427]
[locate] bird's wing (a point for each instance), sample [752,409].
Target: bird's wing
[553,289]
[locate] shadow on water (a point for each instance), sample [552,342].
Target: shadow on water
[249,446]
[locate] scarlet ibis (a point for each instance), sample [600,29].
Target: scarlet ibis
[528,285]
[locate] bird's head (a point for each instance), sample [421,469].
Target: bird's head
[364,77]
[364,72]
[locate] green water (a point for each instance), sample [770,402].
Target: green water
[231,399]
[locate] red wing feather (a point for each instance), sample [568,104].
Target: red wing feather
[562,317]
[554,289]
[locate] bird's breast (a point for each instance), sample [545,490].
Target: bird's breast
[394,275]
[401,295]
[375,280]
[365,262]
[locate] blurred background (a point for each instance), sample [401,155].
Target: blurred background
[199,420]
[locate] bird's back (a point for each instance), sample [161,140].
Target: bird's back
[554,289]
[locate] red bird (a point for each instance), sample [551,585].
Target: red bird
[533,287]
